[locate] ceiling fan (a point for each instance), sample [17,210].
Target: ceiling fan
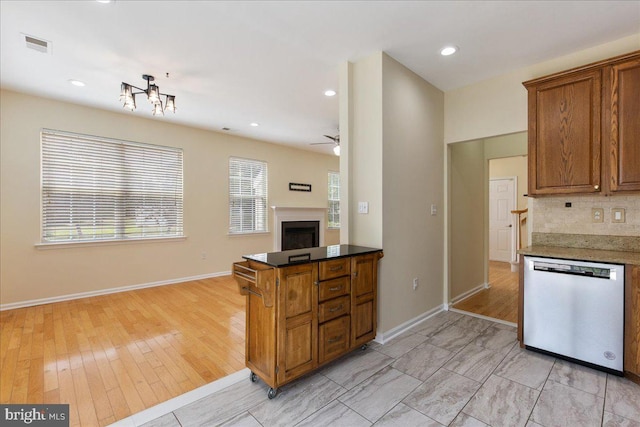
[336,142]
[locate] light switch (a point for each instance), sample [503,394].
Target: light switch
[434,210]
[363,207]
[617,215]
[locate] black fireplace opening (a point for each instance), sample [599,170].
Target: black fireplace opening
[300,234]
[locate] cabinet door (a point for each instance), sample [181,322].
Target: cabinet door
[632,322]
[564,134]
[622,83]
[364,288]
[297,321]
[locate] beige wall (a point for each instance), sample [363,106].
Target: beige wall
[28,273]
[498,106]
[466,217]
[413,171]
[394,139]
[365,152]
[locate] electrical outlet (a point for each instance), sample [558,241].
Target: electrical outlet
[597,215]
[203,255]
[434,210]
[617,215]
[363,207]
[415,283]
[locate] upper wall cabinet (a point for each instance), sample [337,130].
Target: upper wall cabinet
[622,115]
[584,129]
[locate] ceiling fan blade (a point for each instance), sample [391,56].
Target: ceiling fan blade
[322,143]
[335,139]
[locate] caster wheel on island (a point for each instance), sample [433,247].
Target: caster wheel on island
[273,392]
[364,347]
[253,377]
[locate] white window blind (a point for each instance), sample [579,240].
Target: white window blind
[96,189]
[247,196]
[334,200]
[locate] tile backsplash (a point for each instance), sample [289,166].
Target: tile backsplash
[549,215]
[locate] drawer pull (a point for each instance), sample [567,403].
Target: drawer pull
[338,268]
[334,309]
[335,288]
[336,339]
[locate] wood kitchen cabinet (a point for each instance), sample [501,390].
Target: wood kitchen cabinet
[632,323]
[583,129]
[622,113]
[306,308]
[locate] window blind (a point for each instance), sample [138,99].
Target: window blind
[334,200]
[96,189]
[247,196]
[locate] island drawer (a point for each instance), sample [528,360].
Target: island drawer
[334,308]
[334,268]
[334,288]
[334,338]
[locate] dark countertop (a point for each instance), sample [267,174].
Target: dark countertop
[303,256]
[582,254]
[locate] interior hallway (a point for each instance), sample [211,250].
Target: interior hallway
[500,301]
[115,355]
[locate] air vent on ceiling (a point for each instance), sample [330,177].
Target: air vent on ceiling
[37,44]
[226,128]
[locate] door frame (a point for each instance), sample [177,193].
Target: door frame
[514,198]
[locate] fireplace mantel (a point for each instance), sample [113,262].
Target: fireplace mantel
[284,213]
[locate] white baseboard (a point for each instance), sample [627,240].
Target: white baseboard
[469,293]
[69,297]
[394,332]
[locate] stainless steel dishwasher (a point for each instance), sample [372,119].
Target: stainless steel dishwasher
[575,309]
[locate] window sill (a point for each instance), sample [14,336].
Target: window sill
[67,245]
[249,233]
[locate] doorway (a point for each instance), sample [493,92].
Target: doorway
[481,248]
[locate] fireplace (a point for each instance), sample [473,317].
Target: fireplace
[300,234]
[284,214]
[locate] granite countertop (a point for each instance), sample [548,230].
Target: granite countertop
[583,254]
[585,247]
[303,256]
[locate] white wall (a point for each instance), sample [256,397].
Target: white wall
[28,273]
[498,106]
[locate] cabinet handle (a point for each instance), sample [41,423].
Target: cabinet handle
[596,187]
[337,288]
[355,274]
[316,283]
[334,309]
[338,268]
[336,339]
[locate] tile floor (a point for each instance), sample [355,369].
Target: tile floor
[451,370]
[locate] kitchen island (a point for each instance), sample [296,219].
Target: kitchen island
[306,307]
[594,248]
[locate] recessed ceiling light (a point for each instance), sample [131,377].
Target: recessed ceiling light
[104,1]
[330,92]
[448,50]
[254,124]
[76,83]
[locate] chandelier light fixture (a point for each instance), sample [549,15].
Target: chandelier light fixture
[128,97]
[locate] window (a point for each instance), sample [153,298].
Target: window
[334,200]
[97,189]
[247,196]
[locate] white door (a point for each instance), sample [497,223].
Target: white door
[501,203]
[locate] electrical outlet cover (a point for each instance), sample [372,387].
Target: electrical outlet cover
[597,215]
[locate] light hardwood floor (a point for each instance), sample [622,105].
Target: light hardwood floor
[114,355]
[500,301]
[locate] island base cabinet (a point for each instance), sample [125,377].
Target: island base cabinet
[632,323]
[302,316]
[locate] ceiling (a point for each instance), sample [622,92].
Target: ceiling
[231,63]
